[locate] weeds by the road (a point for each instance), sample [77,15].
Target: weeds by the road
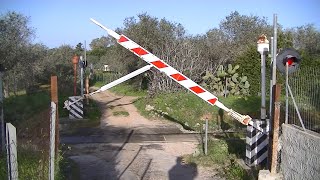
[120,113]
[19,108]
[222,155]
[32,166]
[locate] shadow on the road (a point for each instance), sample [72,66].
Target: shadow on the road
[134,158]
[125,142]
[183,171]
[111,107]
[108,102]
[146,169]
[173,120]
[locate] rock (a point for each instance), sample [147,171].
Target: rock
[149,107]
[196,153]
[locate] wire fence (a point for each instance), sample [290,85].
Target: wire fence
[32,149]
[305,86]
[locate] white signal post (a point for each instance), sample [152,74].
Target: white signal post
[263,49]
[174,74]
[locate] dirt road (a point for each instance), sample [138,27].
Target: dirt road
[133,147]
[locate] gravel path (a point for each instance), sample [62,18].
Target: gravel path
[133,147]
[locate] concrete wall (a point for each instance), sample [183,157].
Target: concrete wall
[300,157]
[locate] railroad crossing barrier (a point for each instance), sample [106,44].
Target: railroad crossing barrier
[175,75]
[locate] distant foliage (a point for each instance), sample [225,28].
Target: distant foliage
[250,67]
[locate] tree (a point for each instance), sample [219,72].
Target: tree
[242,31]
[307,37]
[79,49]
[99,46]
[15,34]
[15,37]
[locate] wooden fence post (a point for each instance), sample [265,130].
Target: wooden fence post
[54,98]
[274,136]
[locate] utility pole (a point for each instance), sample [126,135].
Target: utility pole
[274,53]
[273,87]
[81,75]
[271,82]
[75,61]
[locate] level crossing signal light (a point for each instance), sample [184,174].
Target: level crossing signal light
[290,56]
[83,62]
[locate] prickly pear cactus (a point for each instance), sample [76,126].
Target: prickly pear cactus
[227,81]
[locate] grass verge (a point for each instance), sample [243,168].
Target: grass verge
[19,108]
[128,90]
[120,113]
[191,111]
[222,155]
[31,165]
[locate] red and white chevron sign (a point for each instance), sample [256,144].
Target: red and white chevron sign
[173,74]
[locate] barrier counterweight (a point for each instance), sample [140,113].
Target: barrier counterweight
[257,144]
[76,107]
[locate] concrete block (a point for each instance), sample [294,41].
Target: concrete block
[291,176]
[313,161]
[293,153]
[300,154]
[266,175]
[313,145]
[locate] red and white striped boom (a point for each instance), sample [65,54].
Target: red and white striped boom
[173,74]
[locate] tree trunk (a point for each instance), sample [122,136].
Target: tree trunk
[14,83]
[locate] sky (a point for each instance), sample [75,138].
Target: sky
[60,22]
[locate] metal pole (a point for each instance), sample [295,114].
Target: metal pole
[271,82]
[287,96]
[273,87]
[87,89]
[85,51]
[81,78]
[274,55]
[263,87]
[263,48]
[206,138]
[296,107]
